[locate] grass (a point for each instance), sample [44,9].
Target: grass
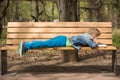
[116,38]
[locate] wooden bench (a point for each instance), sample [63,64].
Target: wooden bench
[28,31]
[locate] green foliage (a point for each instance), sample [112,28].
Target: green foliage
[3,36]
[48,10]
[28,8]
[116,38]
[25,10]
[83,3]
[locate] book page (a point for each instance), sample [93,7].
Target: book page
[102,45]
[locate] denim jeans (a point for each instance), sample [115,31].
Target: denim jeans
[59,41]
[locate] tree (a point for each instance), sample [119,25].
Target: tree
[67,10]
[3,11]
[38,13]
[17,12]
[52,11]
[91,8]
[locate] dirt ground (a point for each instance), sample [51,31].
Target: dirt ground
[48,65]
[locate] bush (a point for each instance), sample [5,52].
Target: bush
[3,36]
[116,38]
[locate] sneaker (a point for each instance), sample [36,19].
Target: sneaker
[21,49]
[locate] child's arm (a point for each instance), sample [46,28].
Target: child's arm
[99,44]
[92,43]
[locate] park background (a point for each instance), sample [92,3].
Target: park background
[60,11]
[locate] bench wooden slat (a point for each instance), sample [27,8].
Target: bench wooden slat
[38,30]
[20,24]
[88,48]
[72,24]
[17,41]
[62,48]
[40,36]
[59,24]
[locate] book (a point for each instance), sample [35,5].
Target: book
[102,45]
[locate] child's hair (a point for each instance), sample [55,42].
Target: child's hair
[94,31]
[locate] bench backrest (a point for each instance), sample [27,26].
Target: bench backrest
[28,31]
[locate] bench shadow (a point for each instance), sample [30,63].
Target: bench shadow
[81,57]
[38,69]
[95,54]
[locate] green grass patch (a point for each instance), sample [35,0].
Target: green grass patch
[116,37]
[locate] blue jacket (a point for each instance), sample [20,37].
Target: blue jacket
[82,40]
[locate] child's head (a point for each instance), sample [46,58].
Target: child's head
[94,32]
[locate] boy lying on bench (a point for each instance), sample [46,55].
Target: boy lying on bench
[89,38]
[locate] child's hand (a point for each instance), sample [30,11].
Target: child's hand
[95,40]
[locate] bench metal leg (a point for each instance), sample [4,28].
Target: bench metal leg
[114,62]
[3,62]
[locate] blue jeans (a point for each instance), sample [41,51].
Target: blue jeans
[59,41]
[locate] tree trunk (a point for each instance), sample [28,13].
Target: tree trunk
[52,11]
[0,29]
[3,13]
[17,13]
[36,9]
[93,10]
[68,11]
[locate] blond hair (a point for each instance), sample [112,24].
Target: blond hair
[94,31]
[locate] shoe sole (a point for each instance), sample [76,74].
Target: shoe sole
[19,49]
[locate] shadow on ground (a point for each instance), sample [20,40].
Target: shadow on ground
[38,69]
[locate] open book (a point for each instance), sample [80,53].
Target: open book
[102,45]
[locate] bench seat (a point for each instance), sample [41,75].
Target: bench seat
[63,48]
